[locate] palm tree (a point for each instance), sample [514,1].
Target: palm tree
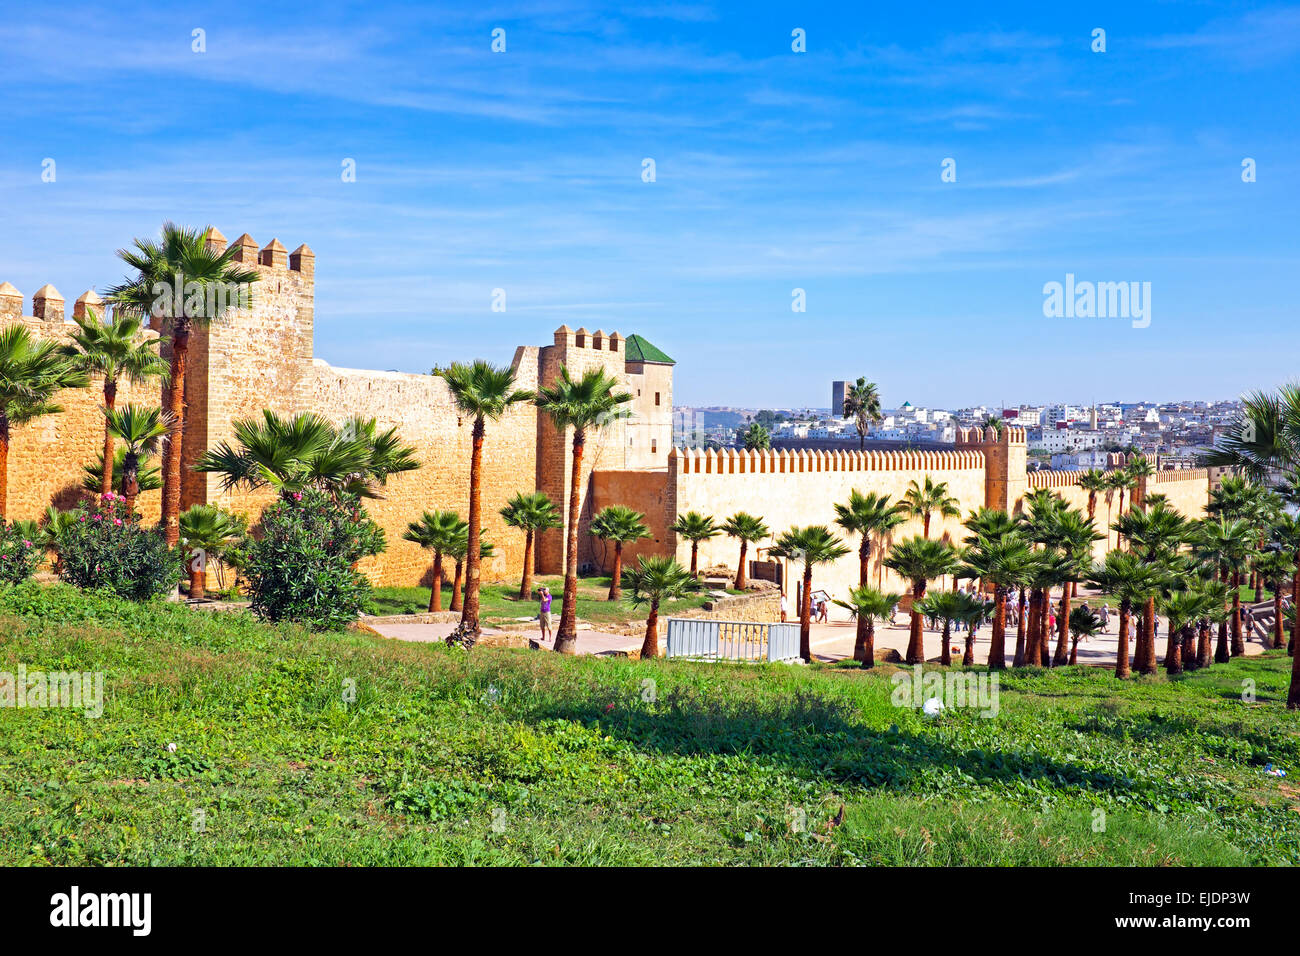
[141,430]
[920,501]
[1275,568]
[695,527]
[1074,536]
[749,530]
[581,404]
[1120,481]
[531,512]
[993,422]
[1181,609]
[1131,581]
[31,372]
[756,438]
[1286,535]
[656,578]
[921,560]
[1228,545]
[1084,622]
[202,285]
[206,533]
[1093,481]
[862,404]
[868,606]
[813,545]
[483,392]
[459,550]
[307,451]
[621,525]
[949,606]
[867,516]
[1154,535]
[148,477]
[1139,470]
[436,531]
[114,350]
[1005,561]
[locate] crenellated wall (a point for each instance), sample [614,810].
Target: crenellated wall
[261,356]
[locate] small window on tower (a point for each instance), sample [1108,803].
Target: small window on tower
[654,445]
[656,398]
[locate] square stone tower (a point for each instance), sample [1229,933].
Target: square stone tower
[1006,477]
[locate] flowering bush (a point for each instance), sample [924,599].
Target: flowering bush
[302,568]
[101,549]
[20,556]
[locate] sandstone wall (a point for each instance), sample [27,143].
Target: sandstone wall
[46,456]
[802,488]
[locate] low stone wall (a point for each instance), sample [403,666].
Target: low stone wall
[761,607]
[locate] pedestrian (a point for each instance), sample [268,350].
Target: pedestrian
[785,608]
[1105,618]
[544,612]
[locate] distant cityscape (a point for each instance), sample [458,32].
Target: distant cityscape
[1059,436]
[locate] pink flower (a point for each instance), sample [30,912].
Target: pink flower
[27,544]
[118,522]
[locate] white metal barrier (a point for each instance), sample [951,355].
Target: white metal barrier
[732,640]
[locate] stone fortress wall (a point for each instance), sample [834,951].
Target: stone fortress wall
[262,356]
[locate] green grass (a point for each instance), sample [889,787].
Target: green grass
[578,763]
[501,602]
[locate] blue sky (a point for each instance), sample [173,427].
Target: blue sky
[775,171]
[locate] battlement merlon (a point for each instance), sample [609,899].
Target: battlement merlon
[271,256]
[567,338]
[977,437]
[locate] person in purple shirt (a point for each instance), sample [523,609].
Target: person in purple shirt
[544,612]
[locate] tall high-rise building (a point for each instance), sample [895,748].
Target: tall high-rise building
[838,390]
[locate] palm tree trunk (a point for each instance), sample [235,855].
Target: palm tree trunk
[864,648]
[4,465]
[916,635]
[1148,648]
[1203,655]
[1063,625]
[805,614]
[1174,650]
[650,646]
[473,557]
[526,584]
[1238,644]
[197,583]
[1295,605]
[110,403]
[1221,653]
[1031,638]
[1074,651]
[616,582]
[1022,612]
[172,451]
[457,603]
[130,482]
[695,559]
[566,636]
[1279,626]
[1121,651]
[925,524]
[435,592]
[945,655]
[998,642]
[740,568]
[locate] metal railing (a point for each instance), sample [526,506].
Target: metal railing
[732,640]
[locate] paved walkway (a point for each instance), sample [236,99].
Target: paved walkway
[589,641]
[832,641]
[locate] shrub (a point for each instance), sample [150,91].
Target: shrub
[20,553]
[100,549]
[302,568]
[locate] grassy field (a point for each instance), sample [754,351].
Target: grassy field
[501,602]
[517,757]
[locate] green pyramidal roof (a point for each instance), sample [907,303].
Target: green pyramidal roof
[638,349]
